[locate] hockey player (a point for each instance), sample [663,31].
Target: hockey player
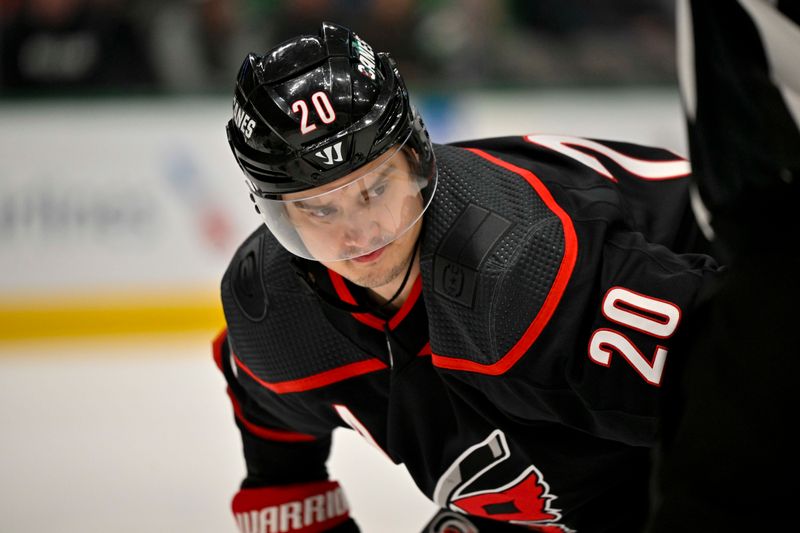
[498,315]
[728,451]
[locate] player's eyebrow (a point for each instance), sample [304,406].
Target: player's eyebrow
[387,171]
[381,176]
[301,204]
[378,177]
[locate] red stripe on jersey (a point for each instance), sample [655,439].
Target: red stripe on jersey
[316,381]
[266,433]
[216,344]
[426,350]
[553,297]
[344,294]
[369,319]
[408,305]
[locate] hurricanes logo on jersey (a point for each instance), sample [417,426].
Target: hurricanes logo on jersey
[524,500]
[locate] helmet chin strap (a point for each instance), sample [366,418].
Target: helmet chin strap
[301,268]
[384,305]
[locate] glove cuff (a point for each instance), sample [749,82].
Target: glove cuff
[302,508]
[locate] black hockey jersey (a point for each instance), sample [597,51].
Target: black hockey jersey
[520,381]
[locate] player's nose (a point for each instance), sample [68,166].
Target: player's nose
[360,230]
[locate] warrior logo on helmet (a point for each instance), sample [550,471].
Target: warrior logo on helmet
[331,154]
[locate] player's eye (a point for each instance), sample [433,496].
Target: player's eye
[377,190]
[321,212]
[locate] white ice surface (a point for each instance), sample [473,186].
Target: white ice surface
[138,436]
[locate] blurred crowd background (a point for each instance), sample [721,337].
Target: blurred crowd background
[58,47]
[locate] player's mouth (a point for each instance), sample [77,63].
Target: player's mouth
[370,257]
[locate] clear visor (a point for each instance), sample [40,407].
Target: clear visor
[356,214]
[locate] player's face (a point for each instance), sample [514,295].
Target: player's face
[383,266]
[357,223]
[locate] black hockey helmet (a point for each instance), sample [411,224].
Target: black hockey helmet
[307,95]
[314,110]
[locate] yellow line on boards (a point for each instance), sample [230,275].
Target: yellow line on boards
[103,315]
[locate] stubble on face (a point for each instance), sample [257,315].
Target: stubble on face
[372,279]
[388,269]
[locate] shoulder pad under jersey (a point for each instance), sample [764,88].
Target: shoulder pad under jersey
[497,254]
[246,281]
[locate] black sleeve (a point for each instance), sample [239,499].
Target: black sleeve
[274,454]
[284,467]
